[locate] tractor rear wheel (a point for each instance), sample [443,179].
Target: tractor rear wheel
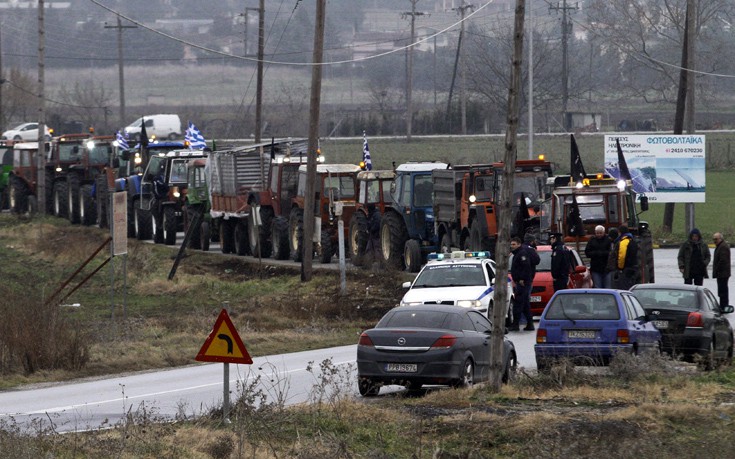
[393,237]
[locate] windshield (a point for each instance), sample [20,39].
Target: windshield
[450,275]
[667,299]
[593,306]
[422,191]
[342,187]
[484,187]
[100,153]
[68,152]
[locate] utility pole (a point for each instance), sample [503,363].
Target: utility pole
[2,80]
[460,56]
[120,73]
[409,67]
[566,30]
[41,152]
[259,84]
[502,253]
[689,216]
[530,81]
[316,91]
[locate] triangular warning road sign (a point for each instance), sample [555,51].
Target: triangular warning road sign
[224,344]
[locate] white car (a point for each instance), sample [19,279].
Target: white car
[460,278]
[27,132]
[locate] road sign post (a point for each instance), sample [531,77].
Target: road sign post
[224,345]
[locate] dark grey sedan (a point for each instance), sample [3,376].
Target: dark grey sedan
[692,323]
[436,344]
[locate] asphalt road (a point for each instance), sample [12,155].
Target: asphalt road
[195,390]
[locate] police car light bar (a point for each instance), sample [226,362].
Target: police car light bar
[457,255]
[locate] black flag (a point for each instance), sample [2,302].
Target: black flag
[143,134]
[575,227]
[577,169]
[622,165]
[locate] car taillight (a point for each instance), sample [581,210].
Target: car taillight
[365,340]
[623,336]
[541,335]
[444,342]
[695,320]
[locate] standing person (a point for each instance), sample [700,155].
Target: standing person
[598,251]
[521,271]
[560,265]
[625,260]
[693,258]
[721,268]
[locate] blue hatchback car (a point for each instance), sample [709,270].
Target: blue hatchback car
[590,326]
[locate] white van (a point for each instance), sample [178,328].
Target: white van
[160,126]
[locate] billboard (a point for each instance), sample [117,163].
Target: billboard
[666,167]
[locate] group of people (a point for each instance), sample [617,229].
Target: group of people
[613,259]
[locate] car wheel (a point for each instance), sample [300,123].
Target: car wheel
[511,367]
[367,387]
[467,377]
[708,361]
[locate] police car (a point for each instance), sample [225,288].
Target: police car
[461,278]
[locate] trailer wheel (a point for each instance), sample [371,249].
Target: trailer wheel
[296,234]
[326,248]
[87,209]
[226,236]
[393,237]
[170,225]
[412,256]
[73,188]
[358,238]
[280,238]
[143,223]
[242,246]
[205,235]
[60,196]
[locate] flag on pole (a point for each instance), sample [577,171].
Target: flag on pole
[577,168]
[624,172]
[143,134]
[122,140]
[194,137]
[366,153]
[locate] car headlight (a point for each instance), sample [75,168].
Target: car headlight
[411,303]
[469,303]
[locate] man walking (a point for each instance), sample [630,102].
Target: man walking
[721,268]
[693,258]
[625,260]
[521,271]
[598,251]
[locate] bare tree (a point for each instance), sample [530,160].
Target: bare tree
[19,99]
[87,102]
[646,36]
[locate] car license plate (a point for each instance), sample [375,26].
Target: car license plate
[401,367]
[661,324]
[584,334]
[535,299]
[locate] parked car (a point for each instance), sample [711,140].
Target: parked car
[543,283]
[26,131]
[692,323]
[432,344]
[460,278]
[590,326]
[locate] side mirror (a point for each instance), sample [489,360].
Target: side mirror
[727,309]
[644,203]
[406,285]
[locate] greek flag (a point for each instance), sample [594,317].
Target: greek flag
[122,140]
[194,137]
[366,153]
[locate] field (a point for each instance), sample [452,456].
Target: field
[648,408]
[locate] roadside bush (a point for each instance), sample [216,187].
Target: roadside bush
[35,336]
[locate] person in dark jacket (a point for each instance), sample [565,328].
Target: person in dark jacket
[598,251]
[521,271]
[721,268]
[560,266]
[693,258]
[625,260]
